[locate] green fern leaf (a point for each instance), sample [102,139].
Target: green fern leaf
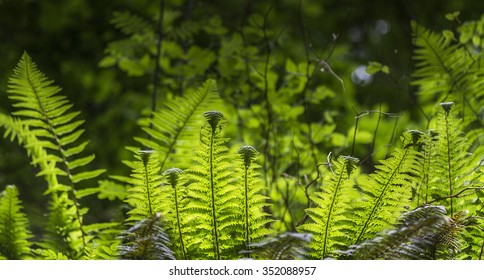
[388,190]
[51,131]
[447,71]
[255,219]
[332,227]
[44,111]
[131,24]
[451,161]
[174,211]
[214,204]
[414,237]
[144,192]
[62,232]
[14,234]
[176,125]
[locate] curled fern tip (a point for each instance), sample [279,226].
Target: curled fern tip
[145,154]
[173,174]
[447,106]
[247,153]
[213,118]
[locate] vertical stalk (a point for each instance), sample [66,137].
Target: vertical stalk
[246,194]
[449,171]
[145,157]
[212,187]
[179,224]
[147,184]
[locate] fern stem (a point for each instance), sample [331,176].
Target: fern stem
[449,171]
[178,224]
[148,193]
[212,187]
[387,184]
[246,194]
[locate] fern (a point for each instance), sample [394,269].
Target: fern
[176,124]
[448,71]
[388,190]
[144,193]
[174,211]
[61,232]
[451,160]
[255,219]
[131,24]
[428,153]
[332,228]
[15,128]
[213,196]
[416,236]
[14,232]
[53,131]
[455,178]
[146,240]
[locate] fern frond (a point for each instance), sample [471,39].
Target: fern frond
[447,71]
[15,128]
[146,240]
[50,255]
[144,192]
[62,232]
[174,211]
[131,24]
[175,126]
[332,227]
[47,114]
[413,237]
[451,161]
[14,232]
[213,201]
[428,155]
[53,127]
[388,190]
[255,219]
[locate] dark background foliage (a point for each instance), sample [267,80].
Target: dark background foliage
[68,39]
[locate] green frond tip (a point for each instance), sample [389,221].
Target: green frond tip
[350,167]
[213,118]
[145,155]
[247,153]
[447,106]
[415,136]
[173,174]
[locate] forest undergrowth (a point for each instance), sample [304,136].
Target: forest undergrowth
[245,153]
